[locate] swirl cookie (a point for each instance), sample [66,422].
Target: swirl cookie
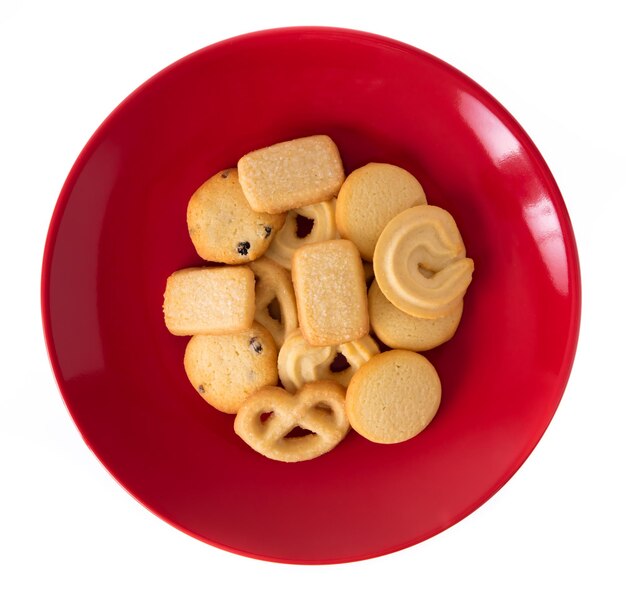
[216,300]
[274,299]
[393,397]
[330,292]
[225,369]
[321,216]
[300,363]
[223,227]
[399,330]
[418,241]
[318,408]
[369,198]
[291,174]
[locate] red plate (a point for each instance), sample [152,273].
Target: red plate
[119,230]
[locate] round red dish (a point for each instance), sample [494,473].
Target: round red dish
[119,230]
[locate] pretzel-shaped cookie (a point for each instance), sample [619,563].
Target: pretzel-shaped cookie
[299,362]
[286,240]
[318,407]
[273,286]
[420,263]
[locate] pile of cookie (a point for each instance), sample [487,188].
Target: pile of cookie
[299,244]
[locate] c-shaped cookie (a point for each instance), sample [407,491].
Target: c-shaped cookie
[300,363]
[420,263]
[286,241]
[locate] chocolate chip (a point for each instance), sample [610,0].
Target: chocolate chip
[225,174]
[243,247]
[268,231]
[201,389]
[256,345]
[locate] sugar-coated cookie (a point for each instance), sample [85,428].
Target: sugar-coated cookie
[370,197]
[223,227]
[420,263]
[291,174]
[212,300]
[393,397]
[320,216]
[267,418]
[226,369]
[300,363]
[275,301]
[399,330]
[330,291]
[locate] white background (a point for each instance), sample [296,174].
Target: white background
[558,67]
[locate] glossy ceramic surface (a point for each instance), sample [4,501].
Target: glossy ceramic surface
[119,230]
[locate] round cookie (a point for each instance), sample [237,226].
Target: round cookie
[225,369]
[399,330]
[321,218]
[275,300]
[223,227]
[393,397]
[370,197]
[420,263]
[300,363]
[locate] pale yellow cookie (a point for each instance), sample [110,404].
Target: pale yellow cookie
[275,301]
[393,397]
[320,216]
[330,292]
[418,241]
[300,363]
[267,418]
[226,369]
[291,174]
[399,330]
[370,197]
[212,300]
[223,227]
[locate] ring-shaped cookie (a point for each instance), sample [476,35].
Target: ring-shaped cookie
[300,363]
[273,286]
[420,263]
[286,240]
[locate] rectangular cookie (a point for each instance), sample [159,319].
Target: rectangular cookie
[329,283]
[212,300]
[291,174]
